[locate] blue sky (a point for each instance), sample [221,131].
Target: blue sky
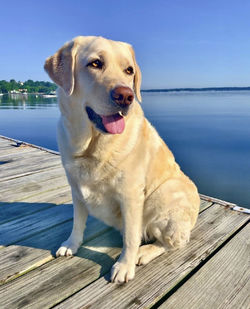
[178,43]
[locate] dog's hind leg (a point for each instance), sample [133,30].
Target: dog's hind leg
[169,216]
[149,252]
[169,235]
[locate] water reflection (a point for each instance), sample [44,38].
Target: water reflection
[23,101]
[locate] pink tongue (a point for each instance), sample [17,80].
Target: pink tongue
[114,124]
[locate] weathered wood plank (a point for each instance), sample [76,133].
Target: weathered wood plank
[40,248]
[216,200]
[23,227]
[61,278]
[205,204]
[12,211]
[25,166]
[54,279]
[18,165]
[15,260]
[4,143]
[19,143]
[57,196]
[52,238]
[153,281]
[12,149]
[223,282]
[19,188]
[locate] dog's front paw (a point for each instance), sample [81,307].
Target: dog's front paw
[67,249]
[122,272]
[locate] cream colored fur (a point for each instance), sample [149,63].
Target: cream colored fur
[130,180]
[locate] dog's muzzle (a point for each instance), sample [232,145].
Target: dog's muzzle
[122,97]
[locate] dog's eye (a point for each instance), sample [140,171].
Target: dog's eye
[129,70]
[97,64]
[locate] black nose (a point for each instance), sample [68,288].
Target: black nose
[122,96]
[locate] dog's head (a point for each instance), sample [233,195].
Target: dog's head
[102,74]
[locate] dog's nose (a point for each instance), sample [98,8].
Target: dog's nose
[122,96]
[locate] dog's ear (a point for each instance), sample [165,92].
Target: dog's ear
[137,78]
[60,67]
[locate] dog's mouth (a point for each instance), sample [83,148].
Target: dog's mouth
[113,124]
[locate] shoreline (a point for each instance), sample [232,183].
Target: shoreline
[171,90]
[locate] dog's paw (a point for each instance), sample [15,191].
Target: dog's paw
[149,252]
[122,272]
[143,256]
[67,249]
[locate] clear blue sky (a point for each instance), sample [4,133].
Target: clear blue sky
[178,43]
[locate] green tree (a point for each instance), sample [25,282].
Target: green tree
[30,85]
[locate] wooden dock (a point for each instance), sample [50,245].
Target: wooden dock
[212,271]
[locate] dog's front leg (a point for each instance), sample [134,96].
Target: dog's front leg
[124,269]
[71,245]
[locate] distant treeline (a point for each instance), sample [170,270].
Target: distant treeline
[197,89]
[31,86]
[28,86]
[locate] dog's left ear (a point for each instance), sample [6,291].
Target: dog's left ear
[60,67]
[137,77]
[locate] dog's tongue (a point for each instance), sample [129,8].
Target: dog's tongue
[114,124]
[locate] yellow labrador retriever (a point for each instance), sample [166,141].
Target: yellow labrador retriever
[118,167]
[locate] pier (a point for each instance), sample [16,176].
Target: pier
[212,271]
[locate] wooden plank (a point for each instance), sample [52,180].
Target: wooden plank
[52,280]
[57,196]
[12,211]
[26,144]
[15,260]
[216,200]
[65,276]
[4,143]
[157,278]
[223,282]
[24,166]
[13,150]
[5,149]
[22,187]
[52,238]
[205,204]
[26,226]
[18,165]
[40,248]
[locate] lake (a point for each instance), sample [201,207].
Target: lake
[208,132]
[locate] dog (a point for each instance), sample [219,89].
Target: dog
[118,167]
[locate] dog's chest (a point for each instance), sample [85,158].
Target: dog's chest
[102,202]
[100,189]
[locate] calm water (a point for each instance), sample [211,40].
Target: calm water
[209,133]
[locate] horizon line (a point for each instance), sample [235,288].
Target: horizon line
[231,88]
